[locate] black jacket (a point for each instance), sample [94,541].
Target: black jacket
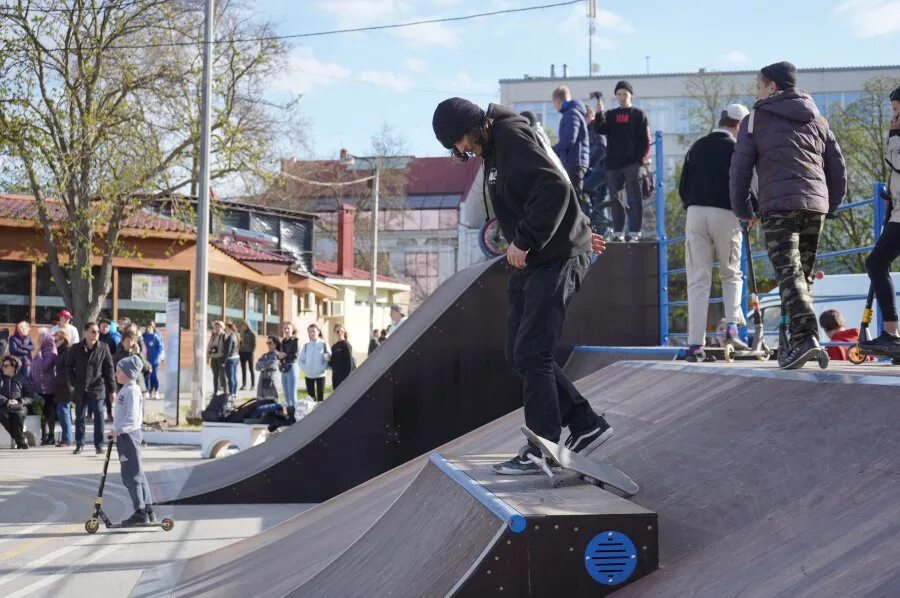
[341,361]
[291,347]
[16,387]
[63,389]
[90,372]
[110,342]
[627,136]
[533,201]
[704,176]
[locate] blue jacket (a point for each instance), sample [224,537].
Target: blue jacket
[154,344]
[21,348]
[573,148]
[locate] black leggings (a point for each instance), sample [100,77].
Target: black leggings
[247,361]
[316,388]
[878,265]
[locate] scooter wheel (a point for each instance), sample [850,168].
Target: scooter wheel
[729,353]
[167,524]
[854,355]
[823,359]
[91,526]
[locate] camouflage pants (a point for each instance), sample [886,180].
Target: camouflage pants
[792,239]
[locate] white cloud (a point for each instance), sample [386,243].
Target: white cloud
[610,21]
[735,57]
[361,13]
[416,65]
[463,83]
[387,79]
[429,34]
[304,72]
[575,25]
[870,18]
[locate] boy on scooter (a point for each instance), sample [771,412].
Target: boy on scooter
[127,421]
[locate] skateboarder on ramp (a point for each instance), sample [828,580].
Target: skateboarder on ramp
[550,247]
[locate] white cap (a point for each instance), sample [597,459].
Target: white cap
[736,112]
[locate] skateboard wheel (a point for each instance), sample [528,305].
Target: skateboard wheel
[91,526]
[823,359]
[854,355]
[167,524]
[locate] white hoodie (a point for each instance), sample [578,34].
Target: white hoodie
[128,415]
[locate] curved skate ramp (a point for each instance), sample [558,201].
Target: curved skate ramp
[442,374]
[766,483]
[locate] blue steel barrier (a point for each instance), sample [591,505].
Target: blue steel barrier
[665,303]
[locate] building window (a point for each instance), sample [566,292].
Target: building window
[143,295]
[234,302]
[214,300]
[15,291]
[422,270]
[49,301]
[255,297]
[273,312]
[449,219]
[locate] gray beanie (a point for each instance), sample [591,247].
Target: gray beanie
[131,366]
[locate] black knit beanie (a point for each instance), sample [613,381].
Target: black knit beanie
[782,74]
[453,118]
[895,95]
[624,85]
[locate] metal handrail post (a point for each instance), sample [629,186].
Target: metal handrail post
[663,251]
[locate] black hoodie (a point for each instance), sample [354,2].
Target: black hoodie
[533,200]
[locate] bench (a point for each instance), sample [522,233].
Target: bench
[216,437]
[32,432]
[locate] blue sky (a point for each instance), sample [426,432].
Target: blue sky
[355,83]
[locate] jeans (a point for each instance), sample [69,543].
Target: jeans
[247,362]
[538,297]
[65,422]
[289,384]
[316,388]
[878,266]
[217,365]
[629,178]
[129,447]
[151,378]
[96,407]
[231,366]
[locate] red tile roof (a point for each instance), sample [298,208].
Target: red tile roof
[330,270]
[246,253]
[440,176]
[23,207]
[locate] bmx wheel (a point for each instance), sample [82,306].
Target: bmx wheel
[91,526]
[823,359]
[167,524]
[854,356]
[729,353]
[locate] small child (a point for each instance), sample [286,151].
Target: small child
[832,322]
[127,421]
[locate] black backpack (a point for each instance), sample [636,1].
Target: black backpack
[215,410]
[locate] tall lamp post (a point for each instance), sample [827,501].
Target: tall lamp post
[375,164]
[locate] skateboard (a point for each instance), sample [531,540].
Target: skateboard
[580,467]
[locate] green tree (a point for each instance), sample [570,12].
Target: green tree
[99,107]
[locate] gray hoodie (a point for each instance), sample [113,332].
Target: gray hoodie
[128,415]
[797,159]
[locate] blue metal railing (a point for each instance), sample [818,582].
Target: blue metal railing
[664,242]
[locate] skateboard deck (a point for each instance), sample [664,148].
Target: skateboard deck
[598,474]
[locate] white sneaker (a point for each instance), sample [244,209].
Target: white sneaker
[618,237]
[634,237]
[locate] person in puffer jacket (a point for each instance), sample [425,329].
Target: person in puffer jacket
[573,148]
[43,378]
[802,178]
[887,247]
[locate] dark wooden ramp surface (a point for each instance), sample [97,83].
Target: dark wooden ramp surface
[766,484]
[584,361]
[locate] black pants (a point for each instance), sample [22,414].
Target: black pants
[538,297]
[217,365]
[878,265]
[576,175]
[316,388]
[14,422]
[48,419]
[247,361]
[629,178]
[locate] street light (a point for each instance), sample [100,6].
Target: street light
[349,159]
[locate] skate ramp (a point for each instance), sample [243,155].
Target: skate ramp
[441,374]
[584,361]
[766,483]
